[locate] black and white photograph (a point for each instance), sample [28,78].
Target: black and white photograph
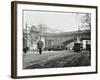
[53,39]
[56,39]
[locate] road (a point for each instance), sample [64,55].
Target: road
[54,59]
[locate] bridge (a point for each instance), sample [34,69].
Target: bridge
[65,38]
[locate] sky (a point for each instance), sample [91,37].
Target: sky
[58,21]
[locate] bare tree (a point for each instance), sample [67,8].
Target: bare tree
[38,31]
[86,22]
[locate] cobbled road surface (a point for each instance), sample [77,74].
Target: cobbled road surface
[54,59]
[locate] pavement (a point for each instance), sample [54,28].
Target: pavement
[53,59]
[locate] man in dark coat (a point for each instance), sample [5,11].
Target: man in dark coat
[40,45]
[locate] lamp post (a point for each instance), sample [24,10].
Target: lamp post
[79,32]
[26,35]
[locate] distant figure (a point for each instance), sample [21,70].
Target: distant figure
[40,45]
[25,50]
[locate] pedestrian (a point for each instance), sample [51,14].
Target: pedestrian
[26,49]
[40,45]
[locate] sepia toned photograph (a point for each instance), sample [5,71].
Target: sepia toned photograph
[56,39]
[53,39]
